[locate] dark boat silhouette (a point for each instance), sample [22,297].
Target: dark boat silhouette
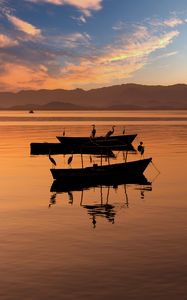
[100,141]
[101,172]
[58,148]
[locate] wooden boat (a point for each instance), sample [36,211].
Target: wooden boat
[96,173]
[100,141]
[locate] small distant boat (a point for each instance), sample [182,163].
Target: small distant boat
[31,111]
[97,172]
[100,141]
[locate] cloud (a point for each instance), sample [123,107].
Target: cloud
[23,26]
[6,42]
[80,19]
[167,54]
[173,22]
[70,61]
[116,63]
[86,6]
[73,40]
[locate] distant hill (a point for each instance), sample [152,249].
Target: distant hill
[125,96]
[48,106]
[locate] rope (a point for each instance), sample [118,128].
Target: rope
[155,167]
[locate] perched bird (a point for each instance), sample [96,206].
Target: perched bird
[64,132]
[52,160]
[141,148]
[124,130]
[70,159]
[93,133]
[110,132]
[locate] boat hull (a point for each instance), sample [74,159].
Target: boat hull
[97,173]
[101,141]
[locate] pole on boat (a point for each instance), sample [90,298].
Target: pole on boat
[108,157]
[101,157]
[126,156]
[82,160]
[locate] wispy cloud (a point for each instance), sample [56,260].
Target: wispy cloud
[69,61]
[115,62]
[86,6]
[72,40]
[24,26]
[171,22]
[6,42]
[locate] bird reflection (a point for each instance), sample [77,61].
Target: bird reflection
[70,195]
[52,160]
[70,159]
[94,221]
[52,200]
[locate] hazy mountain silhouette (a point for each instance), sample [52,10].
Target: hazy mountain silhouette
[125,96]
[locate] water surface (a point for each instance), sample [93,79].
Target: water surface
[50,247]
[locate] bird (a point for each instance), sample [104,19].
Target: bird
[93,133]
[70,159]
[52,160]
[141,148]
[110,132]
[64,132]
[124,130]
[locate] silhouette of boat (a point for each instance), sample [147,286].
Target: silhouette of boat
[58,148]
[66,184]
[101,172]
[100,141]
[31,111]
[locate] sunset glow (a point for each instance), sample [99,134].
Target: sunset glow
[79,44]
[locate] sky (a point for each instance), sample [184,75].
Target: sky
[69,44]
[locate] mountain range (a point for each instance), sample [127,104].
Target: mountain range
[125,96]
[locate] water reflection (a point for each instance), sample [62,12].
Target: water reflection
[103,206]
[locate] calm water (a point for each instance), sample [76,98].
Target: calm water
[49,246]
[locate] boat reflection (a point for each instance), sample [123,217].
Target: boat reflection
[64,186]
[100,206]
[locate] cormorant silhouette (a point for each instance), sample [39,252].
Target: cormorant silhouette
[110,132]
[93,133]
[141,148]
